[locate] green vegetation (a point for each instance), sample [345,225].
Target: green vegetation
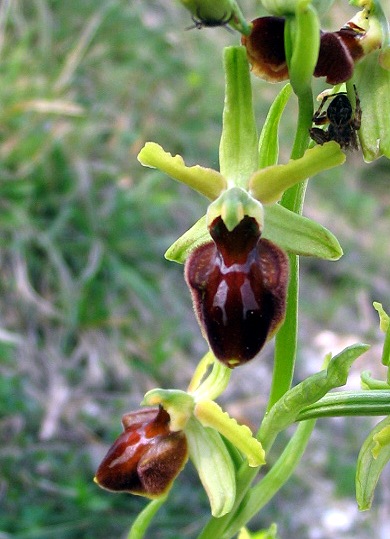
[84,288]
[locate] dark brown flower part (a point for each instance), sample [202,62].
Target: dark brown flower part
[238,284]
[146,457]
[265,49]
[337,55]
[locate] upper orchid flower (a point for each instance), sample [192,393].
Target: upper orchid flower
[235,264]
[338,51]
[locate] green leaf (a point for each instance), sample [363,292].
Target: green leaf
[373,85]
[269,184]
[214,466]
[373,457]
[269,140]
[309,391]
[299,235]
[206,181]
[238,146]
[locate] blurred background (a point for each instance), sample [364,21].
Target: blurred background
[92,315]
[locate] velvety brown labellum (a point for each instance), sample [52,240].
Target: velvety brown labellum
[337,55]
[238,285]
[265,49]
[146,457]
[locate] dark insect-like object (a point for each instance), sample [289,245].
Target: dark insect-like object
[238,284]
[203,22]
[343,121]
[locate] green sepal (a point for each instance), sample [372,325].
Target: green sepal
[269,184]
[269,136]
[206,181]
[210,414]
[218,11]
[299,235]
[373,457]
[214,466]
[373,84]
[238,145]
[287,409]
[294,233]
[197,235]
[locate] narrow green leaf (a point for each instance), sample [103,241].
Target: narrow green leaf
[238,146]
[299,235]
[309,391]
[373,457]
[349,403]
[269,140]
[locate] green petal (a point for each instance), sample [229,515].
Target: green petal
[299,235]
[206,181]
[210,414]
[373,456]
[197,235]
[214,466]
[214,384]
[268,184]
[373,85]
[238,146]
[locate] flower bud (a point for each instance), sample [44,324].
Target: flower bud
[146,457]
[238,284]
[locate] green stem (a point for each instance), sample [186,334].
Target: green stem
[273,481]
[293,198]
[144,519]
